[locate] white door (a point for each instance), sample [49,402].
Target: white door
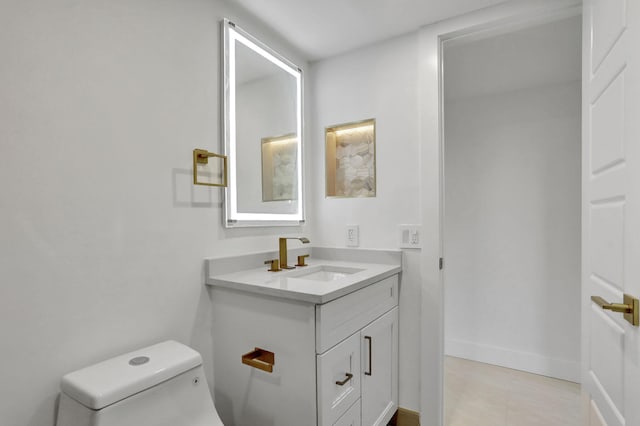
[379,362]
[611,208]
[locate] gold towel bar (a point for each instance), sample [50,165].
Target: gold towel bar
[260,359]
[201,156]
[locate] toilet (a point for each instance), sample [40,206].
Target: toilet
[161,385]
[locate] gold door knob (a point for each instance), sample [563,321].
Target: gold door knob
[629,307]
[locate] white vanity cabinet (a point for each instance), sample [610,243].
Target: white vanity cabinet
[361,370]
[334,363]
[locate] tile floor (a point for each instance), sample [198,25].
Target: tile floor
[478,394]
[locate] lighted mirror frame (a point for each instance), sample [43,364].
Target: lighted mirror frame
[232,34]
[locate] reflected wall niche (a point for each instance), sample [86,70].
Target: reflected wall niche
[279,157]
[351,159]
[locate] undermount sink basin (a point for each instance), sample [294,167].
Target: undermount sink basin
[324,273]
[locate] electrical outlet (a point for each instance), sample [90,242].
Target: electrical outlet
[352,236]
[409,236]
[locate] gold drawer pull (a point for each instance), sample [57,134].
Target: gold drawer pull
[342,383]
[260,359]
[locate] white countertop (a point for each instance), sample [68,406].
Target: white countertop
[288,284]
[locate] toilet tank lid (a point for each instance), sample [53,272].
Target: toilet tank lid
[110,381]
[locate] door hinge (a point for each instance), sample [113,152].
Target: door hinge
[441,263]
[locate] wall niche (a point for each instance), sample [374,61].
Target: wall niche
[351,159]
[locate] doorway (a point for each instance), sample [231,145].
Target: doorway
[511,225]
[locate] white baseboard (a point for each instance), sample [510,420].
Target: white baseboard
[525,361]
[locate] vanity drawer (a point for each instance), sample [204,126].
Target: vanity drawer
[342,317]
[351,417]
[338,380]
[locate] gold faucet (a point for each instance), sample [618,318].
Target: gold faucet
[283,250]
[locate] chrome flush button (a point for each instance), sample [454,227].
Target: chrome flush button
[139,360]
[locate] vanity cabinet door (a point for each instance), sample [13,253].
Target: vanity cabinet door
[338,380]
[379,349]
[249,396]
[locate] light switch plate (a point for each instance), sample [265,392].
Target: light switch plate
[410,236]
[352,236]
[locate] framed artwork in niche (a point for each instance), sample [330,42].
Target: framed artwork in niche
[351,159]
[279,159]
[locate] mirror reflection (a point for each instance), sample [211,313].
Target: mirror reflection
[279,156]
[262,133]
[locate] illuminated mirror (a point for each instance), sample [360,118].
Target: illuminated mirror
[262,132]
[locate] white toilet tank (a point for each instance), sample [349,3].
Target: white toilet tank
[161,385]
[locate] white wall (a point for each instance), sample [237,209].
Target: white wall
[512,199]
[512,229]
[430,131]
[376,82]
[103,235]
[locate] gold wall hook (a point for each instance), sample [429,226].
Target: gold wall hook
[201,156]
[630,307]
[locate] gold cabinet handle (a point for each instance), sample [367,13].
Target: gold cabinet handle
[342,383]
[368,373]
[629,307]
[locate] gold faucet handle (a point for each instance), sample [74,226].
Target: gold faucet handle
[301,260]
[275,265]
